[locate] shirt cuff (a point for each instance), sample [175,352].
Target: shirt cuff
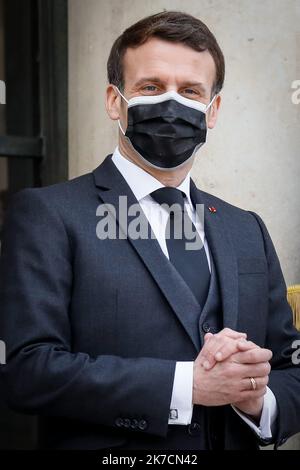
[267,419]
[181,408]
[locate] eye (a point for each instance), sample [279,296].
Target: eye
[190,91]
[150,88]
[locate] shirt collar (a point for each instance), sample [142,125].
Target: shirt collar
[142,183]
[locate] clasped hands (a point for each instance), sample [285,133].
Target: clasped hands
[223,371]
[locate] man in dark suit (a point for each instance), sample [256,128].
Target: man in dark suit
[119,336]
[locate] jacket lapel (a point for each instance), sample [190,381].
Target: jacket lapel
[112,185]
[221,247]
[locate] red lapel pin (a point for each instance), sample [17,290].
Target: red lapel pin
[212,209]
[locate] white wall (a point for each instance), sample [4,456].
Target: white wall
[252,157]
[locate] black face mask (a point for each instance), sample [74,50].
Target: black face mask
[165,130]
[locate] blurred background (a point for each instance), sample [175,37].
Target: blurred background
[53,124]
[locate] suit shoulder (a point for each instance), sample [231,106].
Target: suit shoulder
[73,185]
[224,206]
[58,192]
[64,199]
[243,225]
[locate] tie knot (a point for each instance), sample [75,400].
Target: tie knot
[169,196]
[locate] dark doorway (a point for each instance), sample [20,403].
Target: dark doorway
[33,126]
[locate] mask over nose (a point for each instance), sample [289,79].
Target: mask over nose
[165,130]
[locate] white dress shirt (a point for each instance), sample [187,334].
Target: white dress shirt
[142,185]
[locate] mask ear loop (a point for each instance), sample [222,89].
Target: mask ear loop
[211,102]
[120,127]
[122,96]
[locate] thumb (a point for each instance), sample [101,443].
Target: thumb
[245,345]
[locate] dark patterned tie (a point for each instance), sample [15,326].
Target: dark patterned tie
[191,264]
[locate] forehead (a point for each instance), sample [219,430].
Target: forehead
[171,62]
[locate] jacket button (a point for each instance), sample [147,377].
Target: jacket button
[206,327]
[119,422]
[194,429]
[126,423]
[134,423]
[142,425]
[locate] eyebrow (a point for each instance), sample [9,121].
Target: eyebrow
[159,81]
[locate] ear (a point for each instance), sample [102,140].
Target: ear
[213,113]
[113,102]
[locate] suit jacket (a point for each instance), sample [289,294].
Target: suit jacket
[94,328]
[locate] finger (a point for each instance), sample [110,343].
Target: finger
[232,333]
[244,345]
[226,350]
[207,336]
[255,370]
[218,348]
[260,382]
[255,355]
[252,394]
[209,349]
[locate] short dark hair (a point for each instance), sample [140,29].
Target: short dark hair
[173,26]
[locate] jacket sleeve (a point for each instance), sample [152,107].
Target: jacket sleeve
[283,339]
[42,375]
